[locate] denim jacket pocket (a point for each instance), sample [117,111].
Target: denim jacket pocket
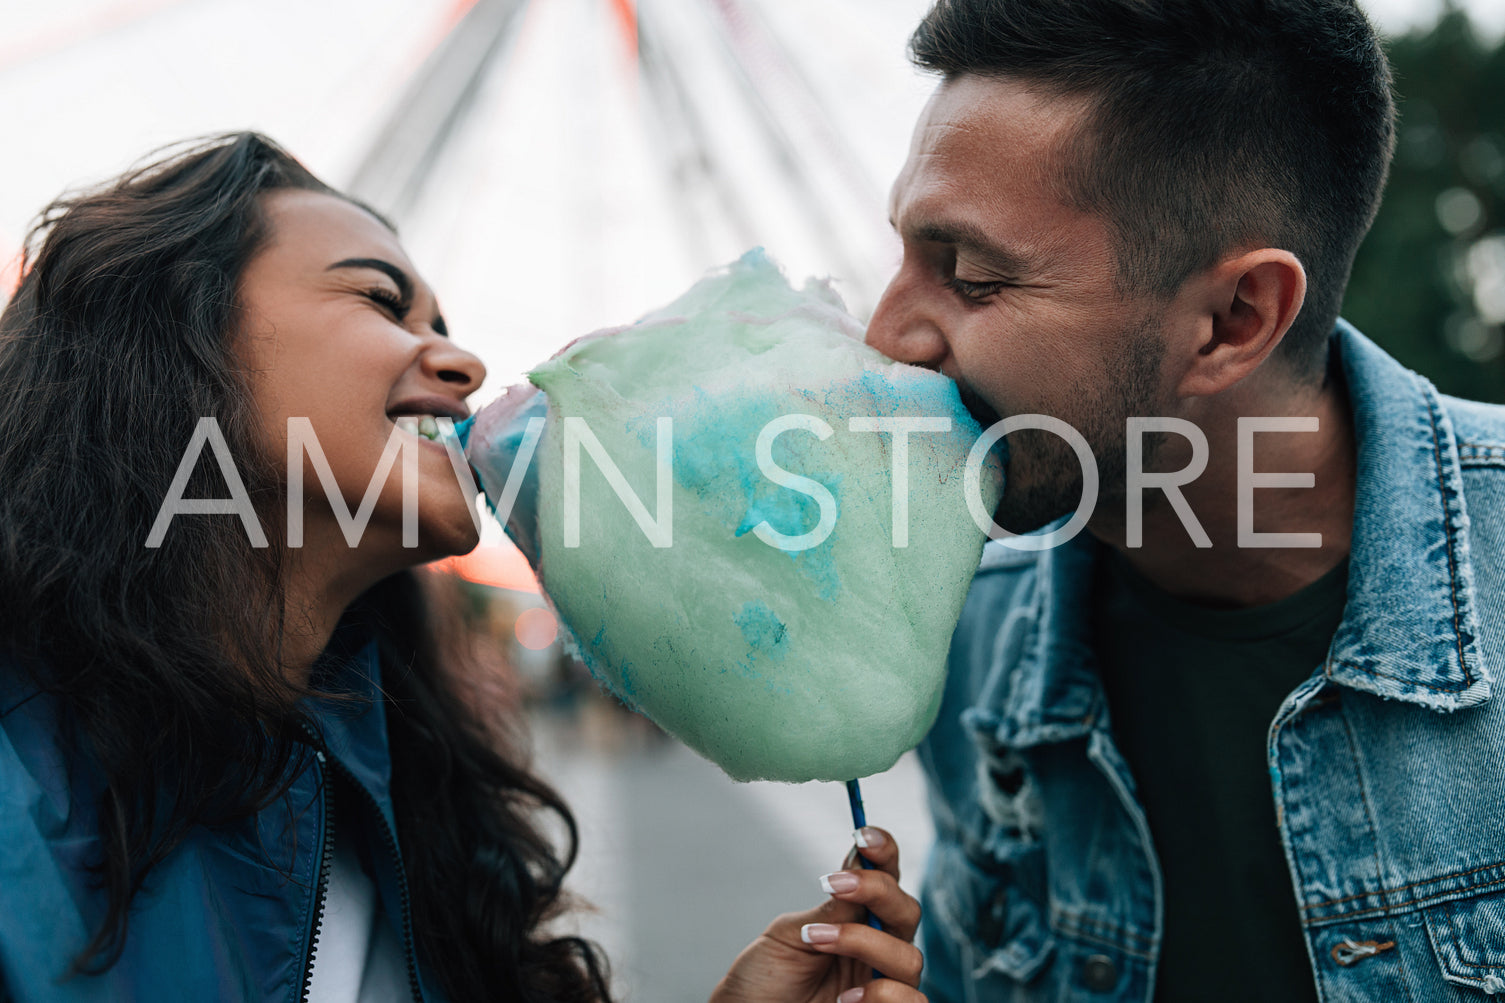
[1468,937]
[989,907]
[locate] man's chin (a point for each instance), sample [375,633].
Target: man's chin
[1020,527]
[1028,511]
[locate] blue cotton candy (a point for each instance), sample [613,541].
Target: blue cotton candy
[786,663]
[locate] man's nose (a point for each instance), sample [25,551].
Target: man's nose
[905,326]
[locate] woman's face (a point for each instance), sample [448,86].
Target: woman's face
[340,329]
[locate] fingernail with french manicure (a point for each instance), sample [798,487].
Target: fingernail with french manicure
[841,881]
[868,838]
[819,933]
[852,995]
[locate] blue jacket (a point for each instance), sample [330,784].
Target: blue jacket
[1387,766]
[229,916]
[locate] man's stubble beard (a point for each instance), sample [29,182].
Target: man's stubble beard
[1044,479]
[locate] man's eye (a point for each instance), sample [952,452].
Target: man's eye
[388,299]
[977,292]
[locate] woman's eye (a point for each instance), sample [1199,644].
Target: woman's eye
[389,300]
[976,292]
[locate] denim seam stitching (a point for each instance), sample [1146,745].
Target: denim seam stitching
[1353,752]
[1436,688]
[1070,932]
[1282,794]
[1414,884]
[1103,942]
[1481,455]
[1447,525]
[1406,983]
[1416,901]
[1082,923]
[1457,941]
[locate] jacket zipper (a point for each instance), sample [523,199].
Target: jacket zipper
[326,864]
[409,952]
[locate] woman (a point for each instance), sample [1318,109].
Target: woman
[238,766]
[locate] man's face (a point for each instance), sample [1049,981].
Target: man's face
[1011,292]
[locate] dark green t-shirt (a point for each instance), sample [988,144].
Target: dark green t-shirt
[1191,695]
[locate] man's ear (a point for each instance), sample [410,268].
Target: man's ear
[1247,304]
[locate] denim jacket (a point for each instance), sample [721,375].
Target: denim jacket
[230,914]
[1387,765]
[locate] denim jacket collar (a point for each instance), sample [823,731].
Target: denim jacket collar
[1052,692]
[1410,628]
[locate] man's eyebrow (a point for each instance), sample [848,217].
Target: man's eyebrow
[397,275]
[976,243]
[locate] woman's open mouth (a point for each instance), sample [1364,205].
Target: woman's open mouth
[424,425]
[422,415]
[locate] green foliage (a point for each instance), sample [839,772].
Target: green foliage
[1429,282]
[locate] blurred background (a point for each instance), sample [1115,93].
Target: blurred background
[556,166]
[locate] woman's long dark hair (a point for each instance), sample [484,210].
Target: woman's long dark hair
[118,339]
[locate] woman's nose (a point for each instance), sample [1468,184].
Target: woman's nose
[460,370]
[904,325]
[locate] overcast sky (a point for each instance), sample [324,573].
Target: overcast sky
[555,211]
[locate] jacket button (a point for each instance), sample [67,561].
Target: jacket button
[1099,973]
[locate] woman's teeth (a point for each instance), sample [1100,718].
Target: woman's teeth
[424,425]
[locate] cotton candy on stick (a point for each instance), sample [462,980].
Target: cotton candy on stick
[781,634]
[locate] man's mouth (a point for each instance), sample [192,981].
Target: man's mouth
[980,410]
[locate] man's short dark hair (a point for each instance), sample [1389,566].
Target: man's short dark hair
[1216,125]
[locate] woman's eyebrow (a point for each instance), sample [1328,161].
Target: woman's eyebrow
[397,275]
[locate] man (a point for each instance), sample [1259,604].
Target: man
[1236,741]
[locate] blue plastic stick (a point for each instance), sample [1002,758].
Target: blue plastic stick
[859,820]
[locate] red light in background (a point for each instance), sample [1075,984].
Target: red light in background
[536,628]
[502,566]
[10,273]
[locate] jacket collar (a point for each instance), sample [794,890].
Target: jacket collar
[354,729]
[1051,693]
[1410,629]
